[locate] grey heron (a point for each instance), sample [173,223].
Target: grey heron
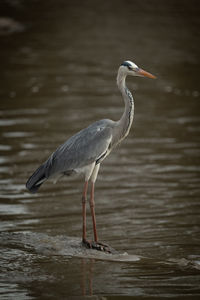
[86,150]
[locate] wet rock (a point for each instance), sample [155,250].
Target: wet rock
[44,244]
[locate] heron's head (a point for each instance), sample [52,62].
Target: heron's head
[129,68]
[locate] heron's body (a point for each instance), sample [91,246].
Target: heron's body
[85,151]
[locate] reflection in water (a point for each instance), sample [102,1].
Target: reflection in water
[58,76]
[87,278]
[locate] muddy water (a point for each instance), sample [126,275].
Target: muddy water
[58,76]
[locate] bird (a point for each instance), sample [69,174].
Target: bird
[84,152]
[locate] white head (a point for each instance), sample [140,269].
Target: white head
[129,68]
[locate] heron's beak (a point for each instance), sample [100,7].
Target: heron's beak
[144,73]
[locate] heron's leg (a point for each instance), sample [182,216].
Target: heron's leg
[96,245]
[92,208]
[92,244]
[92,205]
[84,197]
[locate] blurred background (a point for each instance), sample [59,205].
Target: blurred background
[59,61]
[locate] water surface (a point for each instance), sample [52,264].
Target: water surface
[57,76]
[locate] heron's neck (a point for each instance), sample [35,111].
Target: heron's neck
[124,124]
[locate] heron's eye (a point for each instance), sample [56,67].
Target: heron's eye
[130,68]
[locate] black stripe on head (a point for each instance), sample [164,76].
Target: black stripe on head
[127,64]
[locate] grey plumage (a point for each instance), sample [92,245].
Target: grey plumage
[85,147]
[36,179]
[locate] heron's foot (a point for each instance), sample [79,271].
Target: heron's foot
[97,246]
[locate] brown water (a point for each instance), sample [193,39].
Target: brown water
[58,76]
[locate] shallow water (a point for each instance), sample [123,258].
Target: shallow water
[58,76]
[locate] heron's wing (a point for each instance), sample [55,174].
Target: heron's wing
[87,146]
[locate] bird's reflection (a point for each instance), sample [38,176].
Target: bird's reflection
[87,266]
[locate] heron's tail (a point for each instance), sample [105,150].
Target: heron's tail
[37,179]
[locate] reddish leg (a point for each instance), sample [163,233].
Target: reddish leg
[84,197]
[90,244]
[92,208]
[96,245]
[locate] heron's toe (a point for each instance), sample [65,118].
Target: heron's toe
[97,246]
[87,243]
[101,247]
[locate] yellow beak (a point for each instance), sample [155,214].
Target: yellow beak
[144,73]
